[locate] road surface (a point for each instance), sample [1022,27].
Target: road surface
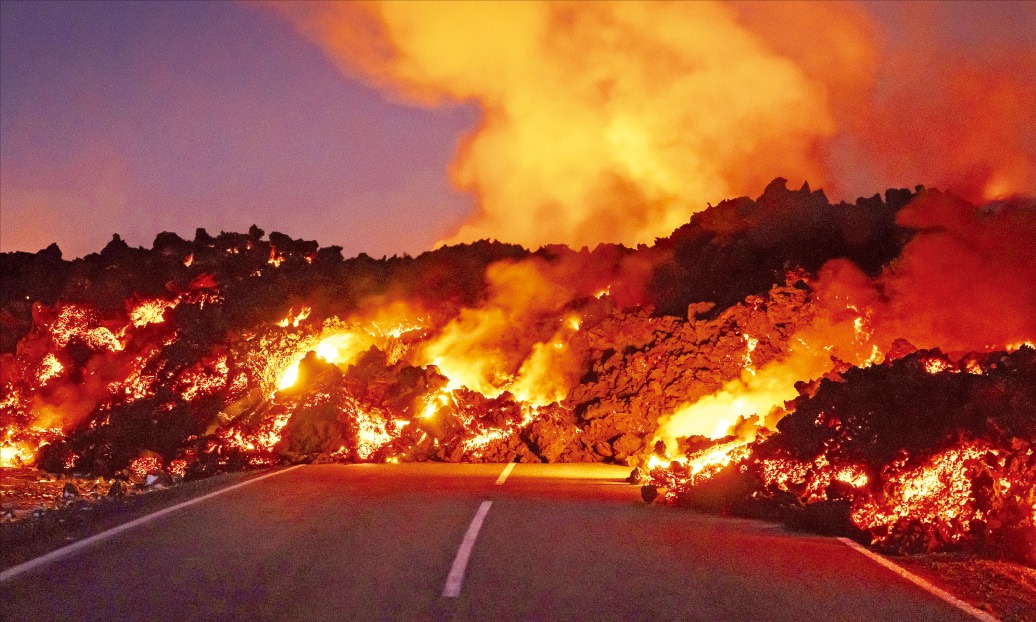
[377,542]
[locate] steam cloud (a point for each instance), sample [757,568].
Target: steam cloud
[617,121]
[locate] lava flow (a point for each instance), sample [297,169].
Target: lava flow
[868,367]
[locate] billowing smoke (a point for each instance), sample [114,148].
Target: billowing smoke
[965,283]
[616,121]
[601,122]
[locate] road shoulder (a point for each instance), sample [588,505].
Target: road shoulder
[31,537]
[1004,589]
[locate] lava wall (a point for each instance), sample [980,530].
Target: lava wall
[709,351]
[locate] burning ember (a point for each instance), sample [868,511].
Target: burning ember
[785,384]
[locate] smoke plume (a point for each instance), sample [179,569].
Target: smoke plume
[614,122]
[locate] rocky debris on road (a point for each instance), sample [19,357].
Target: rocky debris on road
[158,480]
[117,489]
[70,491]
[30,493]
[638,477]
[649,493]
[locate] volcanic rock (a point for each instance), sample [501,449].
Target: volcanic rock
[158,480]
[1018,544]
[645,331]
[117,489]
[649,493]
[637,477]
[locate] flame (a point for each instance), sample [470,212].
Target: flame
[677,475]
[371,434]
[177,467]
[262,439]
[480,441]
[79,322]
[342,344]
[547,374]
[14,454]
[935,365]
[50,367]
[750,345]
[974,368]
[600,153]
[289,377]
[341,348]
[755,394]
[480,350]
[293,319]
[710,461]
[18,448]
[809,480]
[276,259]
[434,402]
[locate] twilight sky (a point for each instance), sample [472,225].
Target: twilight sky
[142,117]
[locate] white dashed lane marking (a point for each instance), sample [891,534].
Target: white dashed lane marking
[455,580]
[503,475]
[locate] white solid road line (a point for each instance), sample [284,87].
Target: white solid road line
[455,579]
[73,548]
[503,475]
[925,585]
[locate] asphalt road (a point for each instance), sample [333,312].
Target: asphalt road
[376,542]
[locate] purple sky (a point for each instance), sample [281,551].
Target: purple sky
[139,118]
[142,117]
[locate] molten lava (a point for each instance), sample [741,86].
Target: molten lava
[794,383]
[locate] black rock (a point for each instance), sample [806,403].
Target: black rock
[117,489]
[637,477]
[649,493]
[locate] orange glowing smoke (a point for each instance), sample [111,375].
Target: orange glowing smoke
[614,121]
[965,283]
[484,350]
[601,121]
